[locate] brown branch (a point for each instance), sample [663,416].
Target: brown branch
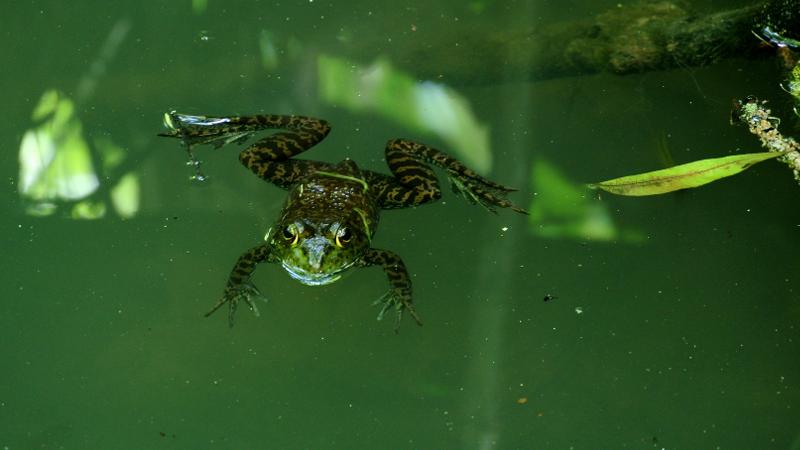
[627,39]
[757,116]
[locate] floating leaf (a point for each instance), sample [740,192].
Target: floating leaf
[684,176]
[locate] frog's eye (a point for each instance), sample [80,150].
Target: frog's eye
[343,236]
[290,234]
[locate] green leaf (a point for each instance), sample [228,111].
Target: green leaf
[684,176]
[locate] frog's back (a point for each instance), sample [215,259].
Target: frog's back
[341,192]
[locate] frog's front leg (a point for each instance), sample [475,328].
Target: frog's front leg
[399,294]
[239,287]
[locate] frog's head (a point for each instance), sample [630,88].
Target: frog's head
[317,252]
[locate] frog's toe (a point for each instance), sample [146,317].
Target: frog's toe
[400,301]
[246,292]
[490,196]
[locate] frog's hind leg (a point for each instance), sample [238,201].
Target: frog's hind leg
[417,182]
[270,157]
[221,130]
[413,183]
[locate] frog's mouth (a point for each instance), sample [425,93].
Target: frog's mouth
[312,278]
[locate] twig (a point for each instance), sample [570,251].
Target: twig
[761,123]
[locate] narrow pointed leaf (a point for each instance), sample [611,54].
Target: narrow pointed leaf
[684,176]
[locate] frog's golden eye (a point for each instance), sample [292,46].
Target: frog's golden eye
[343,236]
[290,234]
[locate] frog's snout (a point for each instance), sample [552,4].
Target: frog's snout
[315,250]
[308,263]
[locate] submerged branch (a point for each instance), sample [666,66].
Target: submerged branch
[627,39]
[759,120]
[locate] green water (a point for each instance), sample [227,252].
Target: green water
[675,327]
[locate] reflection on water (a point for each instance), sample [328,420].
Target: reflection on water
[420,106]
[57,165]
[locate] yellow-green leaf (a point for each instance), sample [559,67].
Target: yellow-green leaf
[684,176]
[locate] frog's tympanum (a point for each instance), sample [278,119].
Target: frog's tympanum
[331,212]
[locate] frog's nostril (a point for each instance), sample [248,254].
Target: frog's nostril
[315,253]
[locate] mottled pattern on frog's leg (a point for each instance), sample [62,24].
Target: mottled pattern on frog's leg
[221,130]
[464,180]
[269,158]
[286,174]
[399,294]
[239,287]
[414,182]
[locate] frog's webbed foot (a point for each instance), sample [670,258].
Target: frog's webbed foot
[476,189]
[246,292]
[239,287]
[196,130]
[399,294]
[400,300]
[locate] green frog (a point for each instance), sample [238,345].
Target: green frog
[331,212]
